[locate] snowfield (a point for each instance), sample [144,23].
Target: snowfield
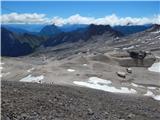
[155,67]
[150,94]
[70,70]
[105,85]
[31,78]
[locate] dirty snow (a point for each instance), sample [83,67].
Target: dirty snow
[127,48]
[31,78]
[151,88]
[4,74]
[30,70]
[150,94]
[70,70]
[135,85]
[84,64]
[155,67]
[156,32]
[1,67]
[1,63]
[105,85]
[157,57]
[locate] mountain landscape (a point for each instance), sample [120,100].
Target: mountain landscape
[95,52]
[77,61]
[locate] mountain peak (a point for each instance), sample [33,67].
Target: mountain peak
[100,29]
[50,30]
[155,27]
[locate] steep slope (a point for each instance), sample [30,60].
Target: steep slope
[145,40]
[127,30]
[15,29]
[69,28]
[82,34]
[50,30]
[13,44]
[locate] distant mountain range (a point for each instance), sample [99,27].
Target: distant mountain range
[82,34]
[127,30]
[16,41]
[53,29]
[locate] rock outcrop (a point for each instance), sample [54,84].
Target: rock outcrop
[134,59]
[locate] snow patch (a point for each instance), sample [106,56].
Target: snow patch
[1,67]
[30,70]
[135,85]
[84,64]
[155,67]
[4,74]
[150,94]
[151,88]
[1,63]
[127,48]
[157,57]
[31,78]
[156,32]
[70,70]
[105,85]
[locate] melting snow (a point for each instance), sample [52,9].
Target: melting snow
[135,85]
[4,74]
[157,57]
[84,64]
[151,88]
[105,85]
[156,32]
[1,67]
[31,78]
[155,67]
[127,48]
[150,94]
[70,70]
[1,63]
[29,70]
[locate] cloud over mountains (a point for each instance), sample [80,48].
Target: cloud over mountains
[35,18]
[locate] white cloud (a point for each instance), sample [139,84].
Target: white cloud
[110,19]
[77,19]
[23,18]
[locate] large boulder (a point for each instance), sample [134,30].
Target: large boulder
[134,58]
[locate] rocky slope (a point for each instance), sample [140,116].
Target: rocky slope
[50,30]
[36,101]
[18,44]
[82,35]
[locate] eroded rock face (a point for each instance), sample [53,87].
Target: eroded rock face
[134,59]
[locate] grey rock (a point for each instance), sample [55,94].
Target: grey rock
[121,74]
[129,70]
[131,115]
[90,112]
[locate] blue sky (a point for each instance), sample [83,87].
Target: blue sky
[94,9]
[81,12]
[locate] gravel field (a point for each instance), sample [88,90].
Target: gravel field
[31,101]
